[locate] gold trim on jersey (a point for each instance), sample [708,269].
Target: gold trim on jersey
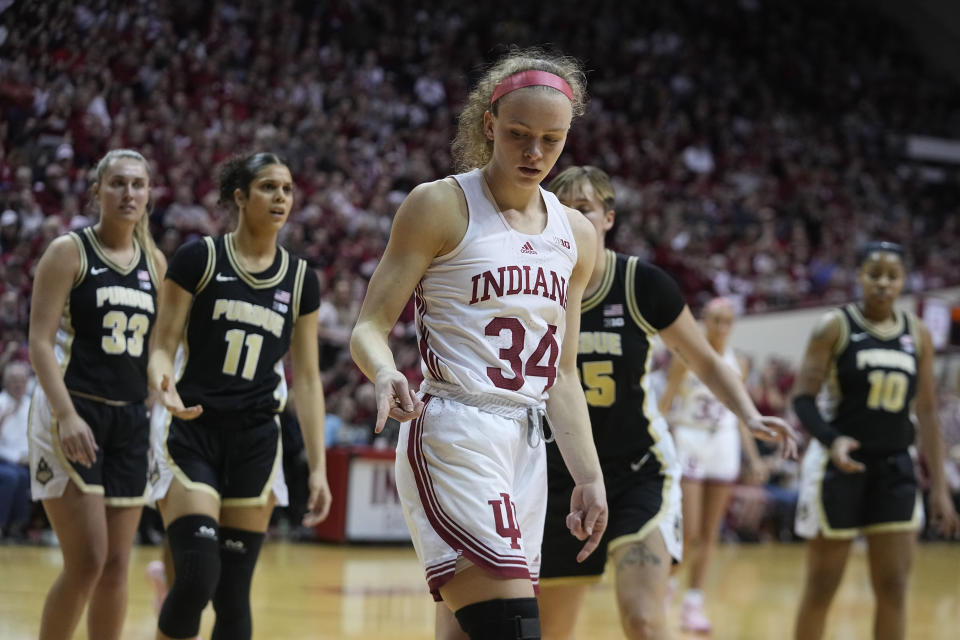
[107,260]
[609,272]
[209,269]
[264,497]
[871,328]
[844,339]
[914,331]
[298,288]
[632,297]
[657,452]
[152,270]
[127,501]
[249,278]
[90,396]
[82,273]
[186,350]
[66,342]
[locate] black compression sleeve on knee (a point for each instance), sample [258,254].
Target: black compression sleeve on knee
[502,619]
[238,558]
[805,406]
[196,565]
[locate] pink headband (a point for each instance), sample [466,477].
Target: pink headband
[531,78]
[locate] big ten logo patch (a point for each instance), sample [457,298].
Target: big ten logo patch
[511,529]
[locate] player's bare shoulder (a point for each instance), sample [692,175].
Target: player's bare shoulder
[829,328]
[585,235]
[579,223]
[62,255]
[435,212]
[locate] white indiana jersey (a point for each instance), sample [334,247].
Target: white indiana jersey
[697,407]
[491,313]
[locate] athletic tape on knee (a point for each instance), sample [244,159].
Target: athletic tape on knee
[501,619]
[239,550]
[195,550]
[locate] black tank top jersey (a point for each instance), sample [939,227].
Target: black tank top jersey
[635,301]
[239,328]
[873,381]
[102,342]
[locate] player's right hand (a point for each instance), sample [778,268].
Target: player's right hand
[77,441]
[588,515]
[174,403]
[840,455]
[395,399]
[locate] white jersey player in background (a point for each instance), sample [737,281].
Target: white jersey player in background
[497,267]
[708,438]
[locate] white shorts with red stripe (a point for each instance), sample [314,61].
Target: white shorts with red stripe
[473,486]
[711,455]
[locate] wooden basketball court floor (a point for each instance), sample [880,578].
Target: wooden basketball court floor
[320,592]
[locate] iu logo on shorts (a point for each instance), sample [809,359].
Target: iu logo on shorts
[511,530]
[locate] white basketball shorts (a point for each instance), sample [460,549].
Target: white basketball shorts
[706,455]
[473,486]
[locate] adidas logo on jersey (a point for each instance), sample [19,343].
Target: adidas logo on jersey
[206,532]
[528,248]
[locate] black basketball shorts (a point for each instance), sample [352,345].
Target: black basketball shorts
[235,465]
[642,495]
[119,473]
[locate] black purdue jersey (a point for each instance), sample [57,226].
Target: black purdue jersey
[103,336]
[635,301]
[872,382]
[239,328]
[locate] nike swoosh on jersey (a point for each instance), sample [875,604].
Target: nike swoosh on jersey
[95,271]
[635,465]
[223,278]
[857,337]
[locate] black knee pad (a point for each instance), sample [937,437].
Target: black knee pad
[196,565]
[509,619]
[238,558]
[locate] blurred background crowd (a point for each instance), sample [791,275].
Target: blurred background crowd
[752,145]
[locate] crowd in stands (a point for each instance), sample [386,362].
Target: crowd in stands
[753,145]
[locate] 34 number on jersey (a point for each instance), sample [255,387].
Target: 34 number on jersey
[117,342]
[548,348]
[237,339]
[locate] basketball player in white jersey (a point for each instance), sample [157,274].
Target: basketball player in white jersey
[708,438]
[497,267]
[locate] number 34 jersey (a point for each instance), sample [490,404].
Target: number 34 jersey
[102,340]
[490,314]
[239,328]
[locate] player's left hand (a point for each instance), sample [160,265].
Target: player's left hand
[588,515]
[174,403]
[773,429]
[318,505]
[943,516]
